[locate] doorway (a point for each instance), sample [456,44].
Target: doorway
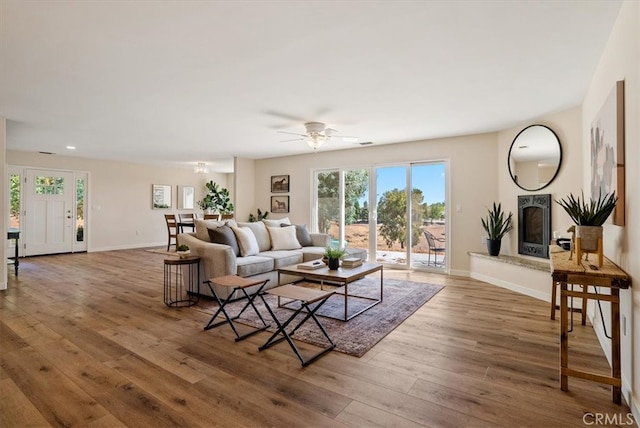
[48,207]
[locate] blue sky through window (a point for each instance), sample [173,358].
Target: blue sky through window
[429,178]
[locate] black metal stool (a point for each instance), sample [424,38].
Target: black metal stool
[306,297]
[235,283]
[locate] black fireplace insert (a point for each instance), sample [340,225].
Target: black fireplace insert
[534,225]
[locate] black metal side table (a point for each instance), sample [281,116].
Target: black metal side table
[181,281]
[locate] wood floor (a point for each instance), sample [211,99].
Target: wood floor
[85,340]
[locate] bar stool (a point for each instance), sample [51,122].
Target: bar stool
[306,297]
[235,283]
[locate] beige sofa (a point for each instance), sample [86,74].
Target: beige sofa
[273,252]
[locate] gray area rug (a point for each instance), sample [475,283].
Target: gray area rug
[358,335]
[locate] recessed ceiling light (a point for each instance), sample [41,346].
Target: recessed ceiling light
[71,147]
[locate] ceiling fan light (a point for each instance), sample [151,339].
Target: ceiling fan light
[315,141]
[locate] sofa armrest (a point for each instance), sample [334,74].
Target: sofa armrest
[215,259]
[320,239]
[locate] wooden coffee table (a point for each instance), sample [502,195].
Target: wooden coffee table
[341,277]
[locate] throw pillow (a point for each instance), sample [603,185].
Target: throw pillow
[283,238]
[302,234]
[246,241]
[224,235]
[203,226]
[260,232]
[276,223]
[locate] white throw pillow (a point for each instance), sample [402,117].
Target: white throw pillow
[276,223]
[246,241]
[260,232]
[283,238]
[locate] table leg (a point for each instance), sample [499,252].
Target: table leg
[346,300]
[615,344]
[553,299]
[564,338]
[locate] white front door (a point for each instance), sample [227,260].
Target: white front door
[48,215]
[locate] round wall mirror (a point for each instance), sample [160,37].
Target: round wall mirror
[535,157]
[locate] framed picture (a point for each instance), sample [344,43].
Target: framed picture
[280,204]
[161,196]
[607,151]
[279,184]
[186,197]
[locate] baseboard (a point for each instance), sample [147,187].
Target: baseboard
[127,247]
[513,287]
[456,272]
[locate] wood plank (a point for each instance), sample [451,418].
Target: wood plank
[114,355]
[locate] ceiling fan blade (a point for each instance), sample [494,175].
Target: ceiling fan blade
[292,133]
[294,139]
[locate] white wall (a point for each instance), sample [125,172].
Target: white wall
[472,186]
[244,179]
[3,202]
[567,125]
[620,61]
[119,204]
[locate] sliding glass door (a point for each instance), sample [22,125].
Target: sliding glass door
[397,213]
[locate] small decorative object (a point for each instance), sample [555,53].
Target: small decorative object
[334,254]
[279,183]
[183,251]
[589,218]
[280,204]
[496,226]
[261,216]
[217,200]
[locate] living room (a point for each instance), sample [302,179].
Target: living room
[120,215]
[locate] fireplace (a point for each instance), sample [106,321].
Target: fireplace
[534,225]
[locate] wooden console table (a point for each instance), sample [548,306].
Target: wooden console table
[565,271]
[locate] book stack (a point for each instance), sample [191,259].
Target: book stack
[311,265]
[351,262]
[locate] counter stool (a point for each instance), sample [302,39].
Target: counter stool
[306,297]
[235,283]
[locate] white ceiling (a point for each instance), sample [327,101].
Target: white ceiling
[180,82]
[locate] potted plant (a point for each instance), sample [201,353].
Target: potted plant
[217,200]
[183,250]
[589,218]
[334,254]
[496,225]
[261,216]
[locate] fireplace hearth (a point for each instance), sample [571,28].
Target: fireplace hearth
[534,225]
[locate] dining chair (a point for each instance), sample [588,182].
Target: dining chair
[227,216]
[212,216]
[187,219]
[172,229]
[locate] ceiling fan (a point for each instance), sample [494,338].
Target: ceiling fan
[317,134]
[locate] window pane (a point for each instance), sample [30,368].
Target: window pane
[49,185]
[14,201]
[79,210]
[329,203]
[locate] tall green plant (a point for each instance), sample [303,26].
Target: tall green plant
[217,199]
[496,224]
[594,213]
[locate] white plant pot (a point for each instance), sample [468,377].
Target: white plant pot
[589,236]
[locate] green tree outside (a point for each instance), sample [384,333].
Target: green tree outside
[392,214]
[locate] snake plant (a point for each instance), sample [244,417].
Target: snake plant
[594,213]
[496,224]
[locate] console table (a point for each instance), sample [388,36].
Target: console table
[566,271]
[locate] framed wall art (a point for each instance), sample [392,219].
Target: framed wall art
[186,197]
[161,196]
[279,184]
[607,151]
[280,204]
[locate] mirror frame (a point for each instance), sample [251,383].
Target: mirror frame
[511,173]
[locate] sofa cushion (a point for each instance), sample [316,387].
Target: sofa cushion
[225,235]
[260,232]
[302,234]
[246,241]
[277,222]
[312,253]
[203,226]
[283,238]
[283,258]
[254,265]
